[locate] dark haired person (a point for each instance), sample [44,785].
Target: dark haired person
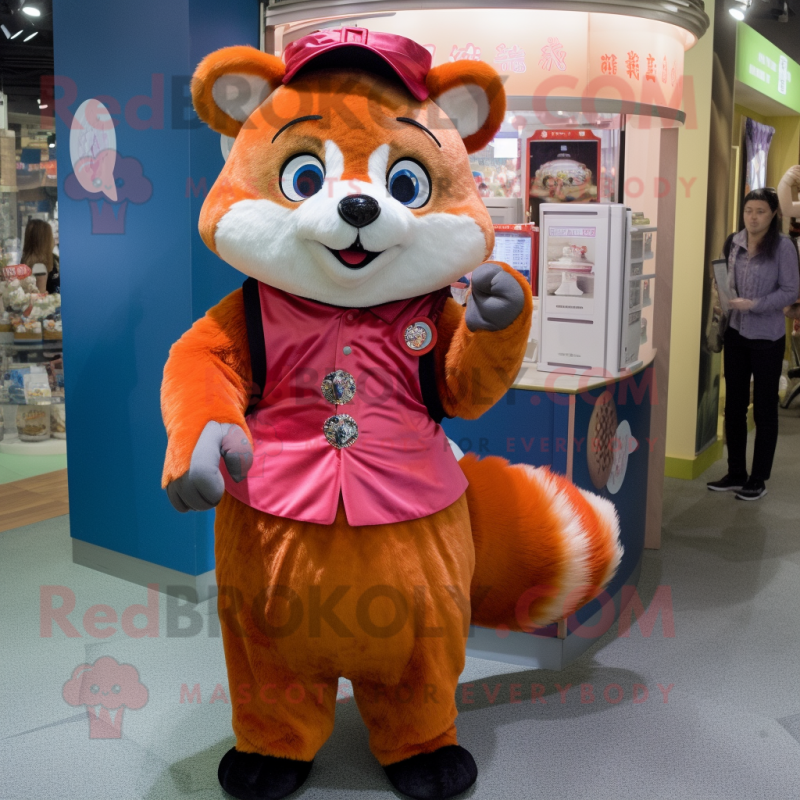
[37,253]
[764,278]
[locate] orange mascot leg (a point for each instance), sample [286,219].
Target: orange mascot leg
[302,603]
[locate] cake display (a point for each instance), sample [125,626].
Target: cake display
[563,180]
[570,263]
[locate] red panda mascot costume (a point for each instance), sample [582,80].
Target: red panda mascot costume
[350,541]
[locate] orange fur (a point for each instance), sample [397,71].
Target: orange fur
[404,683]
[523,576]
[460,73]
[242,60]
[518,542]
[476,368]
[510,532]
[207,377]
[365,121]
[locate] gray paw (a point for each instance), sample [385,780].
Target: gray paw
[496,299]
[202,486]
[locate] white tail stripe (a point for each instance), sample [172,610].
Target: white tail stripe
[607,514]
[575,567]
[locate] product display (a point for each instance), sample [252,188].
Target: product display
[27,313]
[315,395]
[27,330]
[33,423]
[594,288]
[58,421]
[31,382]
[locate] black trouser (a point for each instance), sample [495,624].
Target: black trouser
[763,359]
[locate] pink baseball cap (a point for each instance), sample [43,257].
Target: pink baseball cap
[410,61]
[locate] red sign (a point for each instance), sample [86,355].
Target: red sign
[505,250]
[16,272]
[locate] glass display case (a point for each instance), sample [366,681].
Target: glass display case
[32,409]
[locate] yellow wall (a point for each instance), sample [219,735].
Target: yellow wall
[689,264]
[784,152]
[687,291]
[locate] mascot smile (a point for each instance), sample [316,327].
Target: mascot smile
[350,540]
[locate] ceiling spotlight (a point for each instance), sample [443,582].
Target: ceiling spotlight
[28,38]
[17,34]
[31,11]
[736,13]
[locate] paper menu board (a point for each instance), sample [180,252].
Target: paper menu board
[515,250]
[518,246]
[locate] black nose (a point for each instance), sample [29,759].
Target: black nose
[359,210]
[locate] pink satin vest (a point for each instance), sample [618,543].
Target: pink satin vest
[400,465]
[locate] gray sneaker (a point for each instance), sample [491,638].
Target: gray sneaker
[754,489]
[727,484]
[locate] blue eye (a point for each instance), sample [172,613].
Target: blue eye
[301,177]
[408,182]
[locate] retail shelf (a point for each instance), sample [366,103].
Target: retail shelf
[32,346]
[646,277]
[46,401]
[646,257]
[643,229]
[49,447]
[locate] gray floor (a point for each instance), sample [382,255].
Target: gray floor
[729,727]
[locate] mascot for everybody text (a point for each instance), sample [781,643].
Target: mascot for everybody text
[350,541]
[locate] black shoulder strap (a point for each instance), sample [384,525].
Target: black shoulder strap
[427,370]
[726,248]
[430,392]
[255,338]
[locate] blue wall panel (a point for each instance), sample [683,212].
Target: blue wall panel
[524,427]
[633,399]
[128,296]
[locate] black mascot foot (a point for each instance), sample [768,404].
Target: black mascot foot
[443,773]
[250,776]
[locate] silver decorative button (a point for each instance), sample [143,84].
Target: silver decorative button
[338,387]
[340,431]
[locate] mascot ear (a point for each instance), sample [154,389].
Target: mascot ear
[472,95]
[229,84]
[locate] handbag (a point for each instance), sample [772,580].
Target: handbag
[715,336]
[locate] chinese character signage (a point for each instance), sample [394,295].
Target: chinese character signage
[557,53]
[762,66]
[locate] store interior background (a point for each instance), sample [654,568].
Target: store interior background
[28,177]
[732,571]
[29,180]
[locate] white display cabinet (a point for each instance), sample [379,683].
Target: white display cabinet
[593,288]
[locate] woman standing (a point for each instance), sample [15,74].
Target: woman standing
[764,277]
[37,253]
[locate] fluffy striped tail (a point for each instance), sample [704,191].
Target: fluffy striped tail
[543,547]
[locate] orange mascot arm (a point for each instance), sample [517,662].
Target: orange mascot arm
[207,378]
[474,369]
